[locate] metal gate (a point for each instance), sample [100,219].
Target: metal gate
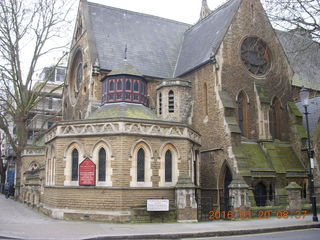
[205,205]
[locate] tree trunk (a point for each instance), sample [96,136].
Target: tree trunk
[18,175]
[2,168]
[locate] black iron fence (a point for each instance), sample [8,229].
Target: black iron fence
[263,206]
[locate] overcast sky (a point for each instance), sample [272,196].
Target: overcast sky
[187,11]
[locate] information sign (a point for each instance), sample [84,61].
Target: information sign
[87,173]
[157,205]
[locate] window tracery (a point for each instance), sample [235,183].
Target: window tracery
[255,55]
[123,89]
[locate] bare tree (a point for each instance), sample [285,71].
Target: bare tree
[302,15]
[28,31]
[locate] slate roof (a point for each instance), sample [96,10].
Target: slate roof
[203,39]
[314,116]
[156,46]
[125,68]
[153,43]
[304,57]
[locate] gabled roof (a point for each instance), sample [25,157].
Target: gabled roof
[153,43]
[203,39]
[304,57]
[157,47]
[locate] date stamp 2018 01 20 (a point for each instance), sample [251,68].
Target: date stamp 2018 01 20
[260,214]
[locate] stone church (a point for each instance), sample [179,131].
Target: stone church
[153,109]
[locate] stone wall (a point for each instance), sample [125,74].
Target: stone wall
[181,97]
[217,85]
[32,179]
[104,204]
[251,20]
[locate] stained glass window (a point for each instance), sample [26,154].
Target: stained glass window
[102,165]
[168,166]
[75,164]
[140,165]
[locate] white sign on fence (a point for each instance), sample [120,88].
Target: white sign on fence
[158,205]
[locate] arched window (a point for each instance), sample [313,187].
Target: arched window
[243,114]
[136,86]
[111,87]
[102,165]
[275,119]
[79,76]
[260,194]
[75,164]
[168,166]
[160,103]
[140,165]
[128,85]
[171,101]
[119,85]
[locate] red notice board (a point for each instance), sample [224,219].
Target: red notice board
[87,173]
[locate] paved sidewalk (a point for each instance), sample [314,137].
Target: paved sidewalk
[19,221]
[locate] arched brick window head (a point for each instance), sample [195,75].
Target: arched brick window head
[75,164]
[243,114]
[140,165]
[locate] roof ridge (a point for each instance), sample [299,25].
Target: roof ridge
[138,13]
[217,9]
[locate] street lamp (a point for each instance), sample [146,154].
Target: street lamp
[304,97]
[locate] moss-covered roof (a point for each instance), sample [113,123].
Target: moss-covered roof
[283,157]
[267,161]
[294,109]
[251,158]
[233,124]
[124,110]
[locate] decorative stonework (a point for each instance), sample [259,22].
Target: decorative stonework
[146,129]
[36,151]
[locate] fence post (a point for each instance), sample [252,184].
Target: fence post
[294,196]
[185,200]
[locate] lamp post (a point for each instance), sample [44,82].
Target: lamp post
[304,97]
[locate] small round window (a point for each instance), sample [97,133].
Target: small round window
[255,55]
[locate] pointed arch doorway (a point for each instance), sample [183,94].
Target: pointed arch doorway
[225,180]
